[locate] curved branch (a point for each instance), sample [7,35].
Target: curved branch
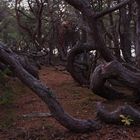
[107,11]
[114,70]
[46,95]
[114,116]
[82,5]
[97,84]
[86,9]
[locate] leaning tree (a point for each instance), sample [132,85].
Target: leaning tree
[102,78]
[114,71]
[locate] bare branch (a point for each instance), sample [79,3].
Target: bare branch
[114,116]
[107,11]
[46,95]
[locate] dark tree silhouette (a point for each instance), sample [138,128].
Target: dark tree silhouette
[112,72]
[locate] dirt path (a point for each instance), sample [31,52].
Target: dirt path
[77,101]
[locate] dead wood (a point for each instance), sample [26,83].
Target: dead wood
[115,116]
[110,71]
[46,95]
[36,115]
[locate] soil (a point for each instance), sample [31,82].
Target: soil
[77,101]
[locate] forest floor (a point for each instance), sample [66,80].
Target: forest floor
[78,101]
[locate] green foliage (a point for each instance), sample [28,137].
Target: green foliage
[3,74]
[6,90]
[9,33]
[6,100]
[126,120]
[7,119]
[7,97]
[6,71]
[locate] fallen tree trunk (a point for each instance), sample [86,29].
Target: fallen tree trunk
[115,116]
[110,71]
[46,95]
[128,78]
[97,85]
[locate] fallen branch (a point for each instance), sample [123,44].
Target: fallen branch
[115,116]
[97,85]
[36,115]
[46,95]
[114,71]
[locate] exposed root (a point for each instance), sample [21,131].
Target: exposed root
[36,115]
[115,116]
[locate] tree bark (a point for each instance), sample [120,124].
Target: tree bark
[138,35]
[46,95]
[85,7]
[115,116]
[124,31]
[114,71]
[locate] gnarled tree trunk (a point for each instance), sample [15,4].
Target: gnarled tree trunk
[77,125]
